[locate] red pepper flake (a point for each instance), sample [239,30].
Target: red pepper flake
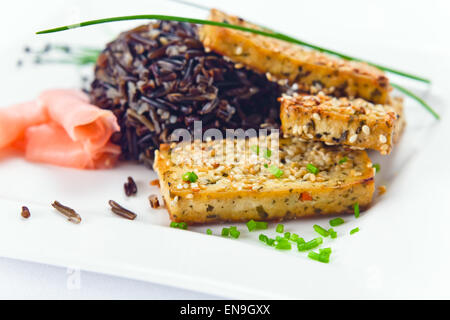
[155,183]
[305,196]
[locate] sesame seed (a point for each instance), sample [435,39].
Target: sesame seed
[316,116]
[383,138]
[353,138]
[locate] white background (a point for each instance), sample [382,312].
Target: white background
[414,36]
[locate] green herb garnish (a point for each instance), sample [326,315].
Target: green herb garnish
[267,153]
[322,256]
[356,209]
[263,238]
[225,232]
[270,34]
[208,231]
[311,168]
[323,232]
[255,149]
[333,234]
[190,177]
[354,230]
[234,233]
[277,172]
[336,222]
[413,96]
[283,244]
[287,235]
[179,225]
[253,225]
[343,160]
[376,166]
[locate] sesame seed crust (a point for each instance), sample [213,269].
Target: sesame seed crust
[310,70]
[237,184]
[352,122]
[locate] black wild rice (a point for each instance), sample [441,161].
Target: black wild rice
[130,187]
[158,77]
[121,211]
[154,202]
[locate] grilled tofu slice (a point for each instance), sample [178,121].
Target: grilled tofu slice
[311,70]
[258,178]
[352,122]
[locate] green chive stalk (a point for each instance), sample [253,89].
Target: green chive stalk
[267,33]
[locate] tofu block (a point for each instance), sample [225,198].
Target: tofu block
[353,122]
[310,70]
[261,179]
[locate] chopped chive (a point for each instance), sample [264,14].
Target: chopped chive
[376,166]
[232,228]
[354,230]
[266,165]
[333,234]
[318,257]
[310,244]
[356,209]
[277,172]
[225,232]
[174,224]
[287,235]
[271,242]
[278,238]
[300,241]
[283,245]
[323,255]
[267,33]
[251,225]
[294,237]
[234,233]
[323,232]
[336,222]
[343,160]
[263,238]
[255,149]
[209,231]
[325,251]
[311,168]
[280,228]
[261,225]
[190,177]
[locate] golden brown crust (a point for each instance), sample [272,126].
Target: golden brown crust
[353,122]
[311,70]
[241,191]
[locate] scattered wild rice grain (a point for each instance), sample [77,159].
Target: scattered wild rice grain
[154,202]
[69,213]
